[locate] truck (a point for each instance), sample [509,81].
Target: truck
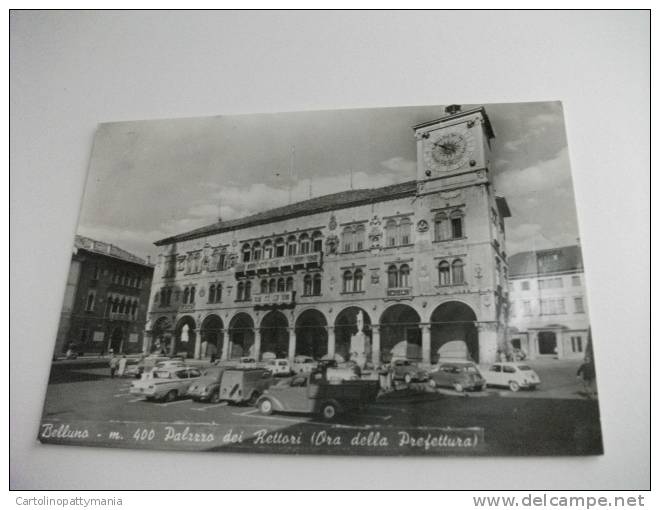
[314,393]
[239,385]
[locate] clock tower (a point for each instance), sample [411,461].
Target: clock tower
[453,151]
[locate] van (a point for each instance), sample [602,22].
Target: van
[244,384]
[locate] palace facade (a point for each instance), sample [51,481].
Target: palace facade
[416,269]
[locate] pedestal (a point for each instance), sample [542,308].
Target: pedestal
[331,341]
[225,345]
[375,345]
[292,344]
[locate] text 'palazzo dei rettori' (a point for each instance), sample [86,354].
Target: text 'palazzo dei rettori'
[417,267]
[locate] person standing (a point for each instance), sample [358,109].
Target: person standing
[588,373]
[114,362]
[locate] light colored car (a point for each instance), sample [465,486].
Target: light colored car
[166,383]
[304,364]
[279,366]
[512,375]
[246,362]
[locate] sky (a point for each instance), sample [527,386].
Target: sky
[152,179]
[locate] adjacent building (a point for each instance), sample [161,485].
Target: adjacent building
[106,299]
[415,269]
[548,311]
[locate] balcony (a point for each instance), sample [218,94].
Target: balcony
[274,298]
[278,264]
[399,292]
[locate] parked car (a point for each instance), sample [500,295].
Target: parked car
[512,375]
[460,375]
[408,371]
[279,367]
[244,384]
[207,387]
[148,363]
[247,362]
[304,364]
[166,383]
[313,393]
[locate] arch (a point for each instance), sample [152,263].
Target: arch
[274,329]
[455,322]
[400,336]
[312,334]
[241,335]
[117,340]
[185,336]
[346,327]
[443,273]
[211,336]
[547,343]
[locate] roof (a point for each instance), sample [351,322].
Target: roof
[325,203]
[546,262]
[107,249]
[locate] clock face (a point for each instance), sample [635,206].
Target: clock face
[449,151]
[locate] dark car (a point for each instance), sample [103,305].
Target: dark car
[408,371]
[460,375]
[207,387]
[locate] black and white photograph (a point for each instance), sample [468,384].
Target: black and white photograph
[390,281]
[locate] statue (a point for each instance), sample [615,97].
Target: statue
[184,333]
[360,322]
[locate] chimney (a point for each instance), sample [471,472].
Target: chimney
[452,109]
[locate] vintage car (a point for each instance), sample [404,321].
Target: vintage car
[148,363]
[313,393]
[457,374]
[240,385]
[304,364]
[166,383]
[246,362]
[512,375]
[207,387]
[408,371]
[279,367]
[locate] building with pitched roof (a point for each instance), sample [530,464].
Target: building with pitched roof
[548,314]
[415,270]
[105,301]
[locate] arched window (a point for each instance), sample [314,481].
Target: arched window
[189,263]
[357,280]
[186,294]
[307,289]
[264,287]
[405,230]
[404,273]
[268,249]
[248,290]
[390,233]
[317,241]
[192,294]
[222,261]
[239,291]
[289,284]
[348,281]
[305,244]
[281,285]
[317,284]
[169,296]
[279,247]
[347,239]
[443,273]
[198,262]
[272,286]
[256,251]
[115,305]
[291,246]
[212,294]
[392,277]
[109,304]
[440,225]
[122,306]
[218,293]
[134,309]
[360,235]
[456,218]
[457,272]
[246,252]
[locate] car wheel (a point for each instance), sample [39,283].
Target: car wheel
[407,378]
[432,383]
[458,387]
[514,386]
[171,396]
[215,397]
[329,411]
[266,407]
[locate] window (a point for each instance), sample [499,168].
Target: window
[317,241]
[279,247]
[83,336]
[456,227]
[305,244]
[392,277]
[346,239]
[317,284]
[97,272]
[91,297]
[390,233]
[307,288]
[268,249]
[246,252]
[240,290]
[360,234]
[552,306]
[289,284]
[272,286]
[348,281]
[579,305]
[248,291]
[215,293]
[280,285]
[576,343]
[357,280]
[186,295]
[405,229]
[192,294]
[524,285]
[527,308]
[264,287]
[256,251]
[440,224]
[292,246]
[550,283]
[212,294]
[404,273]
[457,272]
[576,281]
[443,273]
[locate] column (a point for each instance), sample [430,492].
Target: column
[487,342]
[426,343]
[375,345]
[292,344]
[147,341]
[257,343]
[225,345]
[198,344]
[172,339]
[331,341]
